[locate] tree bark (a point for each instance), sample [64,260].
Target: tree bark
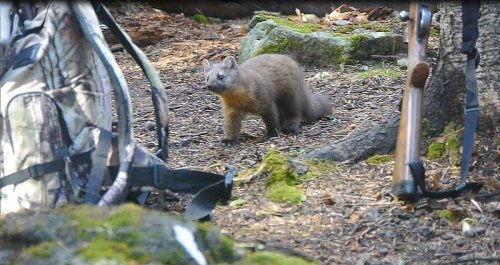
[444,96]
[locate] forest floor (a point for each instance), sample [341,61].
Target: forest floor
[348,215]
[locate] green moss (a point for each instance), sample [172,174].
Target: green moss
[281,45]
[279,168]
[87,217]
[434,32]
[266,258]
[345,29]
[128,214]
[379,159]
[435,150]
[318,167]
[338,55]
[305,27]
[237,202]
[282,192]
[220,248]
[225,251]
[102,249]
[377,27]
[357,40]
[84,216]
[427,128]
[450,128]
[200,18]
[121,245]
[453,149]
[41,250]
[448,215]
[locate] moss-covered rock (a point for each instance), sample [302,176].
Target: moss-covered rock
[282,175]
[311,44]
[279,169]
[304,27]
[123,235]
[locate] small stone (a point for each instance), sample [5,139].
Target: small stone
[389,234]
[402,214]
[150,126]
[461,242]
[424,231]
[310,18]
[403,63]
[447,237]
[340,22]
[383,251]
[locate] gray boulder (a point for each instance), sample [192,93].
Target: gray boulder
[122,235]
[318,48]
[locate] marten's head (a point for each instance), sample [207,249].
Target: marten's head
[221,77]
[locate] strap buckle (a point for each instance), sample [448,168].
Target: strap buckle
[228,184]
[160,175]
[471,109]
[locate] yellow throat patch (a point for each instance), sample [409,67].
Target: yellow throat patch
[237,98]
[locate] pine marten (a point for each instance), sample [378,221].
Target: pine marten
[269,85]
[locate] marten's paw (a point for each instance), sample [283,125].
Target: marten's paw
[291,130]
[228,142]
[267,136]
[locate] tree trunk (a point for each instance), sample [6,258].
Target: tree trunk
[444,96]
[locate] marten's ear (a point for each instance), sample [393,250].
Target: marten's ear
[230,63]
[206,65]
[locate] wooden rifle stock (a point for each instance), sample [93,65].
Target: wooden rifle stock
[410,125]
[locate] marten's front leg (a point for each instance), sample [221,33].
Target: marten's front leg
[232,125]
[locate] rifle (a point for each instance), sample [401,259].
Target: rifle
[409,170]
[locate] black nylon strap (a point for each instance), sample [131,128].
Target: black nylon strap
[418,172]
[471,116]
[470,31]
[99,158]
[177,180]
[209,188]
[39,170]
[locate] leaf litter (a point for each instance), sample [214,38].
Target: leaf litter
[347,215]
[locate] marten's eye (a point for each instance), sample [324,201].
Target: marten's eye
[220,77]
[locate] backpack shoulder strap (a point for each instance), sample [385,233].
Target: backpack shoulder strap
[88,22]
[159,97]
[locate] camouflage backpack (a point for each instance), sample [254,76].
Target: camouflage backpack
[57,143]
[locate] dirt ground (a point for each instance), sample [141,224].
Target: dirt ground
[348,216]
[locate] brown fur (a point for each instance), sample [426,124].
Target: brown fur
[271,86]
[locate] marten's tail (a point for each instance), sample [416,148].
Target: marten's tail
[317,107]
